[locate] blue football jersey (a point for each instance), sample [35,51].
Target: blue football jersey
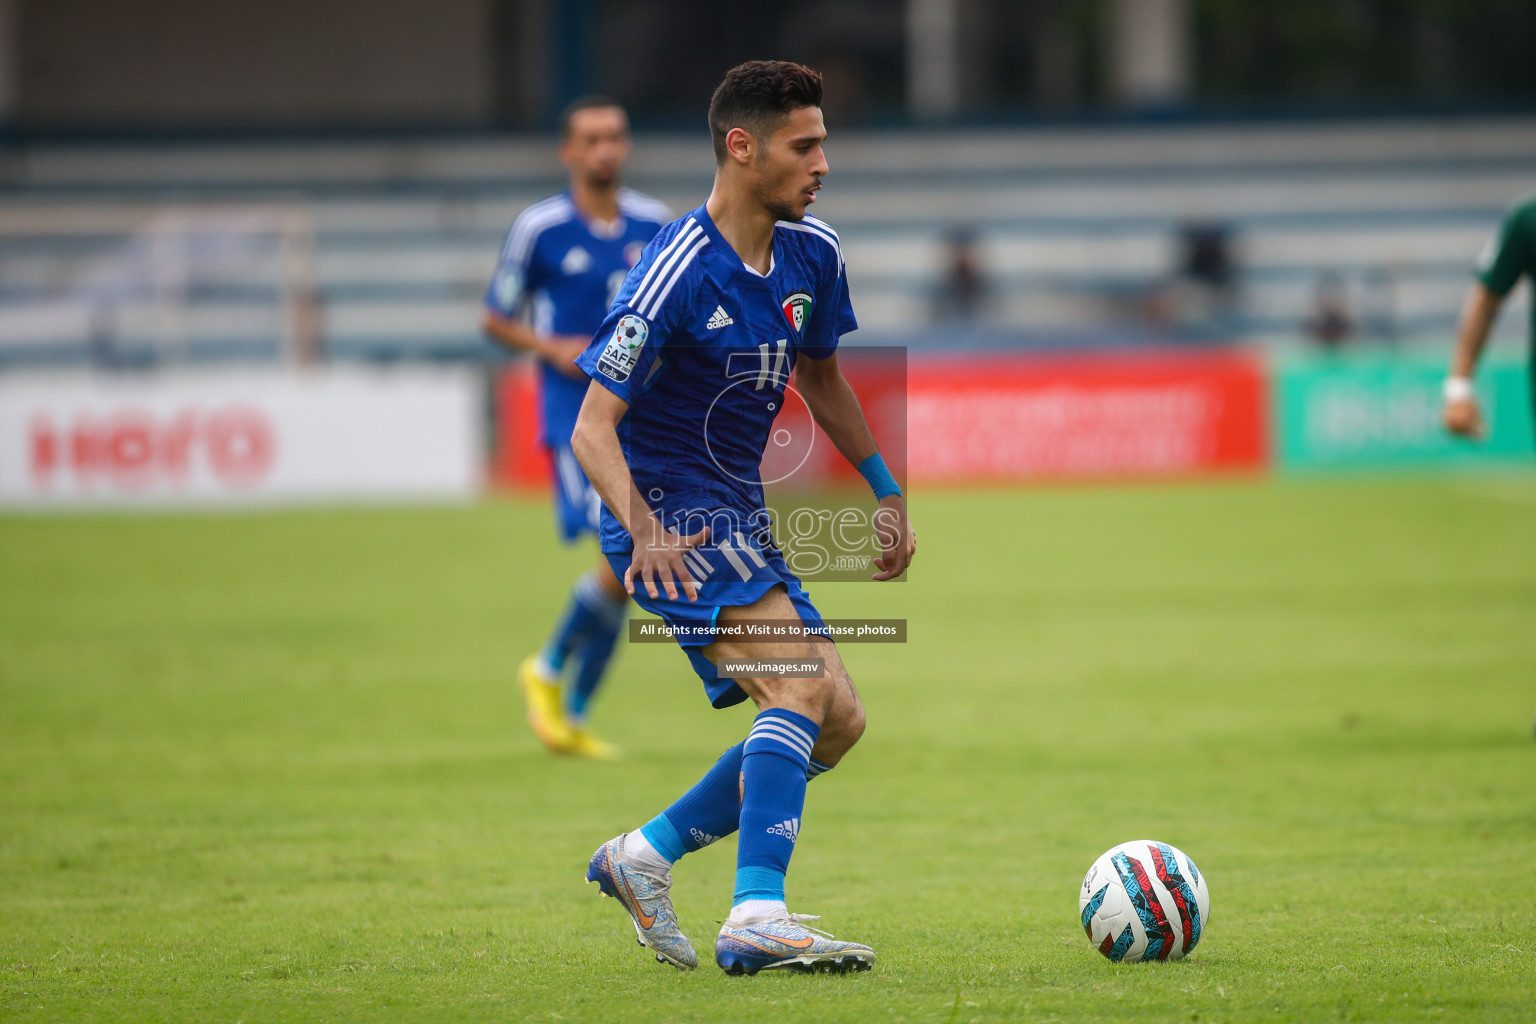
[569,271]
[701,347]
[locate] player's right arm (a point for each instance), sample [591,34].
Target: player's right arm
[1462,414]
[1500,265]
[621,360]
[504,300]
[559,350]
[658,555]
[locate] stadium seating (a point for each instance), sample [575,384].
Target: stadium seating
[1077,233]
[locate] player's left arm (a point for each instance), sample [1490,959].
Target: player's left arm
[837,412]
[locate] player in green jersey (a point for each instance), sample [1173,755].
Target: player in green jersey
[1506,258]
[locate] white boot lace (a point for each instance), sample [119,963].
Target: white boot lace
[784,917]
[800,920]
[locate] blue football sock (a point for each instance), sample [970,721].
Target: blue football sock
[573,622]
[815,768]
[595,644]
[588,612]
[774,763]
[707,812]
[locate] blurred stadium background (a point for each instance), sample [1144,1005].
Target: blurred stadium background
[1292,192]
[271,764]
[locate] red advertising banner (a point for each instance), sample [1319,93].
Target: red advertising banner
[1110,415]
[518,460]
[997,418]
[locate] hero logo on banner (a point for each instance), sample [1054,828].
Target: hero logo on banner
[234,437]
[132,449]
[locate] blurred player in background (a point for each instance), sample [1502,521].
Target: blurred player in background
[1508,257]
[563,263]
[688,372]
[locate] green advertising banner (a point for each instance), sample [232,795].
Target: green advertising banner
[1357,412]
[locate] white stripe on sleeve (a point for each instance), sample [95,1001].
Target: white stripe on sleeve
[662,264]
[661,296]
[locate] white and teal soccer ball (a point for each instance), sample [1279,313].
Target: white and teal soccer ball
[1144,900]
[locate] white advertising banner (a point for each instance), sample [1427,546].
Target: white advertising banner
[240,436]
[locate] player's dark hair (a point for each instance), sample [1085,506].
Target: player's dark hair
[757,96]
[580,103]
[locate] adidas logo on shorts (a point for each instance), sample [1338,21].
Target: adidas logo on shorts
[789,829]
[702,838]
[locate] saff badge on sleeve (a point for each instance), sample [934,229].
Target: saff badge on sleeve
[623,349]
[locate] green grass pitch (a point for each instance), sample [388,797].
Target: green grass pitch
[272,766]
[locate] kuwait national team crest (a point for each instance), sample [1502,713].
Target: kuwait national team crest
[796,308]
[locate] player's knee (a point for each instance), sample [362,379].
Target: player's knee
[852,724]
[822,694]
[844,723]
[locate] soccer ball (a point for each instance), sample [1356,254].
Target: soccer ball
[1144,900]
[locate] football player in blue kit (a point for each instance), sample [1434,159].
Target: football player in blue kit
[688,371]
[562,264]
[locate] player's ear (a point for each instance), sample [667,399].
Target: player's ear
[739,144]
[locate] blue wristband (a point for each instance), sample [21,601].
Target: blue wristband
[874,471]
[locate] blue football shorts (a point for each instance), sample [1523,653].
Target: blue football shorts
[577,506]
[733,572]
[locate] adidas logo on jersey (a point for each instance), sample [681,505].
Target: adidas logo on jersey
[718,319]
[789,829]
[702,838]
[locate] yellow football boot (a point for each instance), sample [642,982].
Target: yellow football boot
[584,744]
[545,713]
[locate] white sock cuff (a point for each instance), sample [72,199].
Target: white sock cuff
[639,852]
[590,592]
[751,910]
